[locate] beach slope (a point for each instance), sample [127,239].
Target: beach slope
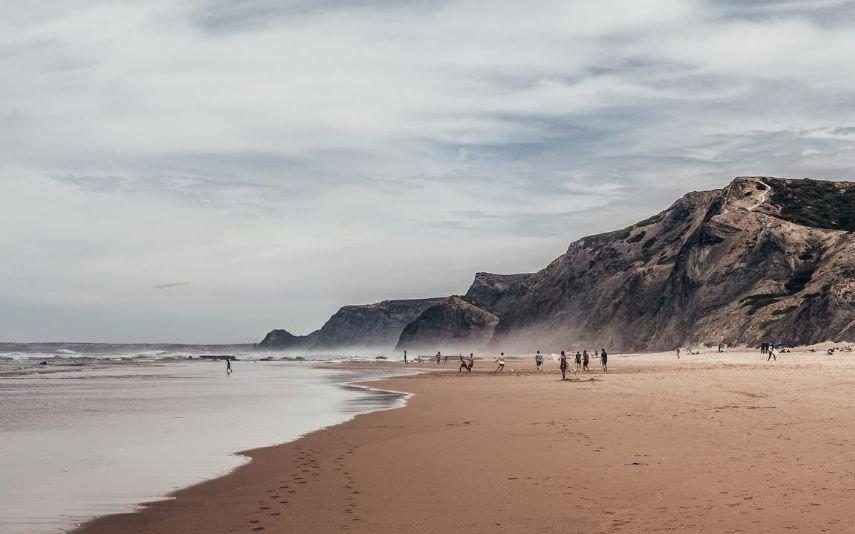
[709,443]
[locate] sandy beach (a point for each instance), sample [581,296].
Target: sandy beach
[709,443]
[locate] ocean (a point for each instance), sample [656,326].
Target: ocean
[88,430]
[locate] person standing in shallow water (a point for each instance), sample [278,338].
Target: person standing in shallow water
[438,357]
[405,357]
[563,365]
[604,359]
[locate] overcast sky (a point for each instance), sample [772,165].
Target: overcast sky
[207,170]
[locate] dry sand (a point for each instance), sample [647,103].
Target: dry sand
[710,443]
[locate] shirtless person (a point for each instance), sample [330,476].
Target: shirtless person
[604,359]
[500,361]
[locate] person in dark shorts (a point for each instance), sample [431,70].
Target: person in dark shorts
[405,357]
[585,360]
[228,366]
[462,364]
[563,365]
[578,361]
[604,359]
[438,357]
[538,361]
[471,363]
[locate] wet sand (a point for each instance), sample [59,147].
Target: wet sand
[710,443]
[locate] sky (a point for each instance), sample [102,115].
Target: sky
[208,170]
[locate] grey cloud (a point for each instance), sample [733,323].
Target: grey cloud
[296,155]
[170,285]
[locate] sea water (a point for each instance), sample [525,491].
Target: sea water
[85,436]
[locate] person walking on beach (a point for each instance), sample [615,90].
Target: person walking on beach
[585,360]
[228,366]
[604,359]
[578,362]
[500,361]
[538,361]
[771,351]
[471,362]
[563,365]
[462,365]
[678,353]
[405,357]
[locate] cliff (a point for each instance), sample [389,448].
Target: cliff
[762,259]
[453,324]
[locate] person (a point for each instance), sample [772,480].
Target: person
[585,360]
[604,359]
[438,357]
[764,347]
[445,360]
[228,366]
[462,365]
[405,357]
[538,361]
[471,362]
[578,361]
[501,364]
[563,365]
[678,353]
[771,350]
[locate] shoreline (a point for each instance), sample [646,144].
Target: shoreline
[395,399]
[155,511]
[722,443]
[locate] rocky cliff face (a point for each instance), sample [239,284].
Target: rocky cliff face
[361,326]
[763,259]
[453,324]
[498,292]
[370,325]
[281,339]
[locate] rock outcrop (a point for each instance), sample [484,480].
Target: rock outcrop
[371,325]
[282,339]
[374,326]
[498,292]
[453,324]
[762,259]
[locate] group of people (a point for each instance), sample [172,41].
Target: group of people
[582,361]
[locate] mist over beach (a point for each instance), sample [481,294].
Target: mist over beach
[463,266]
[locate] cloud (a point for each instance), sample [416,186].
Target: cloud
[170,285]
[294,156]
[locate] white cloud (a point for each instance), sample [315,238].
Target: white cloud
[287,157]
